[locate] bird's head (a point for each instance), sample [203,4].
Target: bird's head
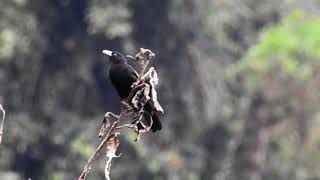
[115,57]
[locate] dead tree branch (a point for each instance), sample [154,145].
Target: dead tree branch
[3,115]
[142,91]
[107,137]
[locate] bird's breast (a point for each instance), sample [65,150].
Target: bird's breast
[122,78]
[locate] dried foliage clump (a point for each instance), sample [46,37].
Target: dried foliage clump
[143,92]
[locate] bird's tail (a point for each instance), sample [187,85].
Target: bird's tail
[156,124]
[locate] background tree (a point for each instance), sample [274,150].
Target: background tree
[279,78]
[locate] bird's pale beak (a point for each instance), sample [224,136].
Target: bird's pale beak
[107,52]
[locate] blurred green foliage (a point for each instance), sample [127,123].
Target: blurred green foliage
[111,18]
[283,70]
[293,46]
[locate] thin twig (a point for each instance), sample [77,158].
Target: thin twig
[110,133]
[3,114]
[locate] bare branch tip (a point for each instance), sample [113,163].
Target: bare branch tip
[3,114]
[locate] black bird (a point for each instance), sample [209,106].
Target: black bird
[122,76]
